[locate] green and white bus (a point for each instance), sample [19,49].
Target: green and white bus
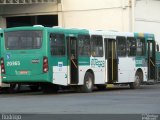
[2,85]
[148,49]
[157,62]
[76,58]
[1,35]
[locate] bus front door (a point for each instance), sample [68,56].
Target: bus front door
[73,59]
[112,61]
[151,60]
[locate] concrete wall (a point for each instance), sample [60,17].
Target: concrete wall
[91,14]
[28,9]
[101,14]
[2,22]
[147,17]
[95,14]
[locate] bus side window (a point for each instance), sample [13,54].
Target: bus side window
[84,45]
[141,46]
[57,44]
[97,46]
[1,34]
[157,48]
[121,46]
[131,46]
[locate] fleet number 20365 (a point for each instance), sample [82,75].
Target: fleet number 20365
[13,63]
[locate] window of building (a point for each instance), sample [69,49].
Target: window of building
[84,45]
[131,46]
[140,46]
[57,44]
[97,46]
[121,47]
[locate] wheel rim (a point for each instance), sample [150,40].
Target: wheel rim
[89,83]
[137,81]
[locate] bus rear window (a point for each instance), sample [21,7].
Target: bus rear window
[21,40]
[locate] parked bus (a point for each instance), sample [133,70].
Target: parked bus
[77,58]
[2,85]
[157,62]
[1,35]
[147,51]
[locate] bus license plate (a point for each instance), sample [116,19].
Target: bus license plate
[24,72]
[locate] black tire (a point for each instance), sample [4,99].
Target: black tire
[88,83]
[14,88]
[137,82]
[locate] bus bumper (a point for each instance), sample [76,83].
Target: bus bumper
[26,78]
[4,85]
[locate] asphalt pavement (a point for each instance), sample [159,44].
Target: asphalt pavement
[145,100]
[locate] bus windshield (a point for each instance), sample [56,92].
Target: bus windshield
[18,40]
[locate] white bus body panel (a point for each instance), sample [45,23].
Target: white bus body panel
[145,74]
[126,69]
[98,67]
[60,75]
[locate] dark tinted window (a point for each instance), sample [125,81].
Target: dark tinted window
[131,46]
[97,46]
[57,44]
[84,45]
[121,47]
[157,48]
[18,40]
[140,46]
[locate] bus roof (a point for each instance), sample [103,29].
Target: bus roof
[111,34]
[1,29]
[147,36]
[70,31]
[50,29]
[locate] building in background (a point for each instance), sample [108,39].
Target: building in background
[120,15]
[147,17]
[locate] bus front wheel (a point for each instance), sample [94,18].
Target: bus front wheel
[88,83]
[136,83]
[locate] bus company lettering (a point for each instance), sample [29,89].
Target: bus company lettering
[141,63]
[138,61]
[96,62]
[13,63]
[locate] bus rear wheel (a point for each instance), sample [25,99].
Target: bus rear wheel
[88,83]
[14,87]
[137,82]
